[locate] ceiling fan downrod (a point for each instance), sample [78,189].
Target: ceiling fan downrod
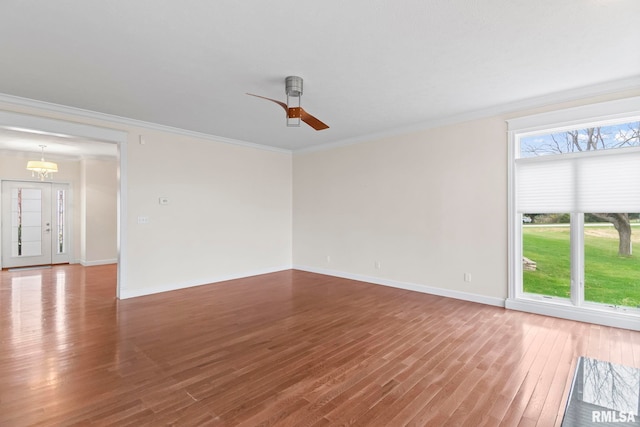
[293,89]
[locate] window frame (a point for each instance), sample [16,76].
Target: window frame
[575,308]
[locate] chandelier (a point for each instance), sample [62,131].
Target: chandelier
[41,168]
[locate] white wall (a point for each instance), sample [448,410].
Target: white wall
[99,206]
[229,212]
[429,206]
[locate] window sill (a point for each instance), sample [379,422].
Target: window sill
[618,318]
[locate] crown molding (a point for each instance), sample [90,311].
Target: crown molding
[632,83]
[576,94]
[124,121]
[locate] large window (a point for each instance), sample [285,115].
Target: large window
[575,204]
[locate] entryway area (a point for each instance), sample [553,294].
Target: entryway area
[35,223]
[73,216]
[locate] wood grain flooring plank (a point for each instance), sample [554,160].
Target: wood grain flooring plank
[523,397]
[284,349]
[530,345]
[555,390]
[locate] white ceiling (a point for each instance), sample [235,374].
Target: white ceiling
[370,67]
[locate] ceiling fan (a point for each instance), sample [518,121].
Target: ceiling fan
[295,113]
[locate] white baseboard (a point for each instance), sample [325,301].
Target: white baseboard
[580,314]
[132,293]
[85,263]
[572,313]
[466,296]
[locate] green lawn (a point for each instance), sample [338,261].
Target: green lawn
[609,278]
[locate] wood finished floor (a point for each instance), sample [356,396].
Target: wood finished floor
[287,349]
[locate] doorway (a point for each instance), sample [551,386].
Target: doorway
[35,223]
[83,133]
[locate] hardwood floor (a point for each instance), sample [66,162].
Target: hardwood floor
[287,349]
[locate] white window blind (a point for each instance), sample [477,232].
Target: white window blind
[584,182]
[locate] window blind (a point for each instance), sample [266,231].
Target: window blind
[607,181]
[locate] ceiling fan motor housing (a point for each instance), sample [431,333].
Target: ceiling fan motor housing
[293,86]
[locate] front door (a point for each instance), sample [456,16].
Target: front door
[34,223]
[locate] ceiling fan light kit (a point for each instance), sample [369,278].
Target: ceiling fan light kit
[294,112]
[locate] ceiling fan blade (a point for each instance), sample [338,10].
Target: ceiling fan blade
[312,121]
[295,112]
[280,103]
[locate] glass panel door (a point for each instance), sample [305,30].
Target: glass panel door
[34,223]
[26,223]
